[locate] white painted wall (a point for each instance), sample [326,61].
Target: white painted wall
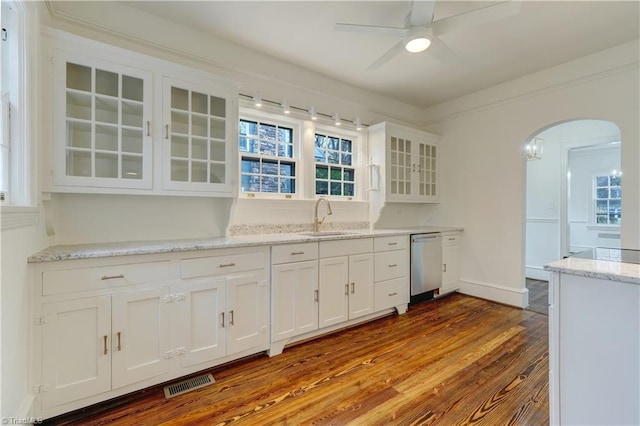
[483,136]
[584,164]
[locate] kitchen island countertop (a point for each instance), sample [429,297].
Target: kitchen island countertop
[605,263]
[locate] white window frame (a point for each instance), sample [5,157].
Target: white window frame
[278,120]
[357,154]
[592,209]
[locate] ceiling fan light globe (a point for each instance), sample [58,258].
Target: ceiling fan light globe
[417,44]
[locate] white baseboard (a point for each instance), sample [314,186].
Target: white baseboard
[26,407]
[536,273]
[518,297]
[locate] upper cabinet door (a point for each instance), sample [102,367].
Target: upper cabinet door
[199,132]
[102,124]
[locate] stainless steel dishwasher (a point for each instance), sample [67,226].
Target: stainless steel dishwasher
[426,265]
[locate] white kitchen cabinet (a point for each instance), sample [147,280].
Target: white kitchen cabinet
[294,286]
[345,281]
[450,262]
[391,288]
[408,163]
[248,312]
[92,345]
[199,127]
[102,117]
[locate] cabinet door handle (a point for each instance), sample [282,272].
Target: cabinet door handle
[393,294]
[222,324]
[413,167]
[119,345]
[106,351]
[392,244]
[226,265]
[444,269]
[166,131]
[111,277]
[452,239]
[316,295]
[231,317]
[346,289]
[148,128]
[353,288]
[294,253]
[393,265]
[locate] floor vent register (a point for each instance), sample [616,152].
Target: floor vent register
[188,385]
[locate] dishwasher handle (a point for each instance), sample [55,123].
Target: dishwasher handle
[425,237]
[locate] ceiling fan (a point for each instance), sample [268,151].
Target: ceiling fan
[420,31]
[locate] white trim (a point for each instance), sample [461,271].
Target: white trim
[26,407]
[542,220]
[12,217]
[518,297]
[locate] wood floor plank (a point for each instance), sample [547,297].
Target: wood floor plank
[456,360]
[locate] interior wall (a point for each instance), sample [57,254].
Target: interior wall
[484,160]
[584,164]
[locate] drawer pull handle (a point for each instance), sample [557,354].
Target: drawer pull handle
[445,267]
[392,244]
[452,239]
[112,277]
[222,314]
[148,128]
[166,131]
[393,294]
[353,288]
[346,289]
[119,345]
[294,253]
[106,351]
[316,295]
[231,315]
[226,265]
[393,265]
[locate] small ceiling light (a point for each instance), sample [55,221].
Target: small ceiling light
[417,40]
[358,124]
[336,119]
[313,113]
[285,107]
[257,100]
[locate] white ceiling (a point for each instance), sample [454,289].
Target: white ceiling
[541,35]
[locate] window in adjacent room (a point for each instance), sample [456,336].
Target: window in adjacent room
[334,166]
[607,199]
[268,157]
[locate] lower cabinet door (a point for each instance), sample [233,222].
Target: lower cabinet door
[360,285]
[200,321]
[334,290]
[76,349]
[247,321]
[140,336]
[295,304]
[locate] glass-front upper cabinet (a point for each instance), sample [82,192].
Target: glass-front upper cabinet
[102,124]
[199,123]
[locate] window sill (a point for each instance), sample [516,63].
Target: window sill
[13,217]
[614,228]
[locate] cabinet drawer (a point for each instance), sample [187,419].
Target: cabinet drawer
[451,239]
[391,293]
[216,265]
[396,242]
[337,248]
[97,278]
[391,264]
[294,253]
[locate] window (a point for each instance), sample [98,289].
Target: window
[334,165]
[268,162]
[607,199]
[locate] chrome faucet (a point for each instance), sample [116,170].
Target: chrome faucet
[316,222]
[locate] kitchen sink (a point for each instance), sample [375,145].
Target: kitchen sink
[327,233]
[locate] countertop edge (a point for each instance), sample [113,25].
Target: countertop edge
[611,271]
[132,248]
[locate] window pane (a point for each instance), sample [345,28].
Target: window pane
[250,183]
[336,188]
[322,187]
[248,128]
[285,150]
[267,131]
[615,193]
[348,189]
[349,175]
[285,135]
[287,169]
[321,141]
[287,186]
[602,193]
[269,184]
[601,218]
[602,206]
[346,145]
[250,165]
[334,143]
[269,168]
[615,180]
[602,181]
[336,173]
[321,155]
[322,172]
[333,157]
[346,159]
[267,148]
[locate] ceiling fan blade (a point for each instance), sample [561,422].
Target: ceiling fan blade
[442,52]
[372,29]
[421,13]
[399,47]
[476,17]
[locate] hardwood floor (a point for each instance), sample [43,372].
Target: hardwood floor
[457,360]
[538,295]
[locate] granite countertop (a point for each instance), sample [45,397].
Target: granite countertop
[128,248]
[608,264]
